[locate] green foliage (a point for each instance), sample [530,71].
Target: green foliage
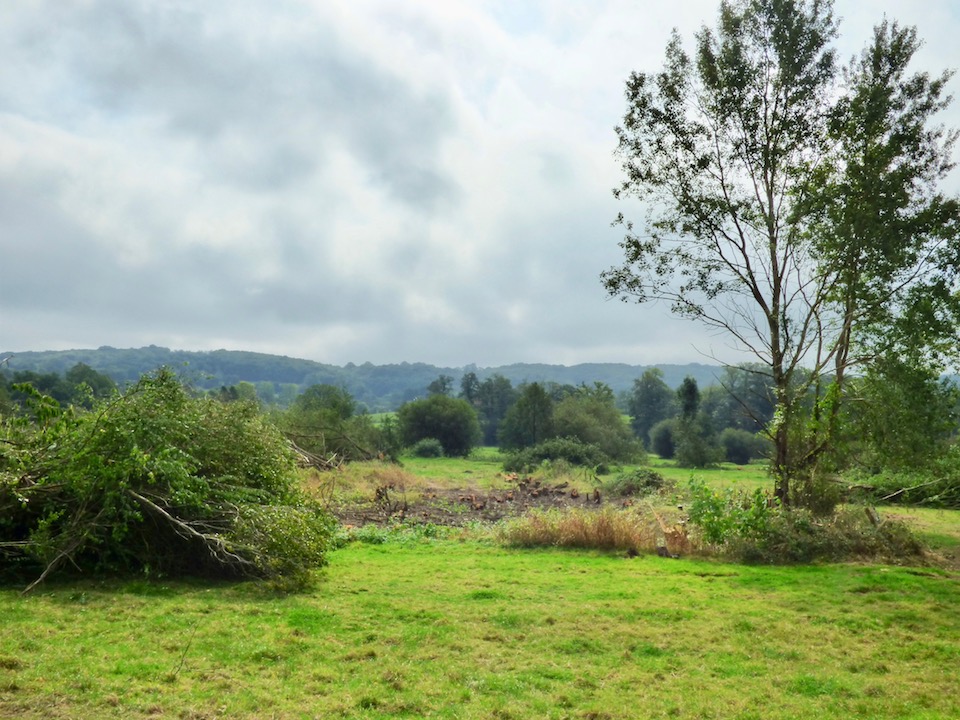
[529,420]
[937,485]
[591,416]
[756,528]
[492,399]
[154,481]
[694,446]
[794,205]
[651,401]
[452,421]
[322,420]
[637,483]
[427,448]
[740,446]
[901,418]
[569,450]
[663,438]
[798,536]
[723,515]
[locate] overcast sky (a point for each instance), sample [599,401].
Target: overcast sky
[340,180]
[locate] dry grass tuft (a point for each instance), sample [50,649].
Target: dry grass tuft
[635,530]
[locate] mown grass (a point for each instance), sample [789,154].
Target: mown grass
[465,629]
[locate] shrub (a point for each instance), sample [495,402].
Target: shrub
[155,481]
[637,483]
[663,438]
[427,448]
[721,516]
[452,421]
[569,450]
[799,536]
[754,528]
[740,446]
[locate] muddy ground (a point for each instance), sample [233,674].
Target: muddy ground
[456,507]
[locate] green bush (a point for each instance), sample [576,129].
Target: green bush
[452,421]
[427,448]
[936,486]
[569,450]
[755,528]
[740,446]
[637,483]
[154,481]
[799,536]
[663,438]
[722,516]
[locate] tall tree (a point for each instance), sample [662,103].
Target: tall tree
[741,153]
[529,420]
[651,401]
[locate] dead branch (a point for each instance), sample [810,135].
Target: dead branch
[214,543]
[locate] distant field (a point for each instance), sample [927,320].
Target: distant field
[458,628]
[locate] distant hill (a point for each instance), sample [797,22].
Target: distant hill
[379,387]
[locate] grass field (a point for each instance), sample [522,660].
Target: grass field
[447,624]
[463,629]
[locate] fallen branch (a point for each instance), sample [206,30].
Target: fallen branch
[903,490]
[214,543]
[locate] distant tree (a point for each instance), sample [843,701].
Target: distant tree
[592,417]
[650,402]
[452,421]
[748,399]
[694,447]
[663,438]
[100,385]
[470,387]
[50,384]
[740,446]
[904,418]
[443,385]
[529,421]
[321,420]
[266,392]
[335,401]
[494,397]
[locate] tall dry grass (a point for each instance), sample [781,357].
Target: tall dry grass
[633,530]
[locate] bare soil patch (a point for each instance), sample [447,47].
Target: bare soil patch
[461,506]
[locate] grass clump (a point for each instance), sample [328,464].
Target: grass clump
[605,529]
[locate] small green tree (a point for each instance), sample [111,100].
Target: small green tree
[529,421]
[663,438]
[592,417]
[452,421]
[694,440]
[650,401]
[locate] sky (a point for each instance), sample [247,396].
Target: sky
[342,180]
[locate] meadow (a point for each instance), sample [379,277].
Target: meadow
[447,623]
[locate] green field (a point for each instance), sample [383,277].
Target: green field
[449,624]
[457,628]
